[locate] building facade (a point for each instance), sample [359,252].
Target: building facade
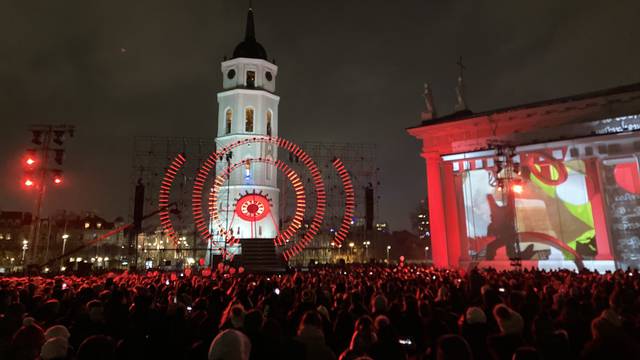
[553,184]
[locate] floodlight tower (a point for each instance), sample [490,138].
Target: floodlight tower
[37,170]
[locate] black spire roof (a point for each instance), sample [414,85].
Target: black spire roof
[250,48]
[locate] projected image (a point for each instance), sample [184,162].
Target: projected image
[550,213]
[621,181]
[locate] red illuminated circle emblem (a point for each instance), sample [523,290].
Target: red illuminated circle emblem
[252,207]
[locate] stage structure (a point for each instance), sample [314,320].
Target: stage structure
[360,160]
[553,184]
[158,161]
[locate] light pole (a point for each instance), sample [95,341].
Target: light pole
[426,253]
[366,249]
[388,249]
[228,157]
[25,246]
[44,136]
[64,245]
[351,245]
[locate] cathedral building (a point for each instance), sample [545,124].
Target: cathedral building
[552,184]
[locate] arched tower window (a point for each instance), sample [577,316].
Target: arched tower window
[248,117]
[269,114]
[228,118]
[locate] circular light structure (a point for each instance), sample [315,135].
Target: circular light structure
[252,207]
[295,150]
[298,187]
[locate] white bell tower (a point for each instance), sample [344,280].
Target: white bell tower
[248,108]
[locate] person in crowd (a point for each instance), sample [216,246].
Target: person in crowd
[453,347]
[311,336]
[230,344]
[474,329]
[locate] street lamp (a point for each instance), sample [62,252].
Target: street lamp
[426,252]
[351,245]
[388,248]
[64,245]
[25,246]
[366,249]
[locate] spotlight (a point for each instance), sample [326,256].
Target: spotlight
[57,177]
[517,188]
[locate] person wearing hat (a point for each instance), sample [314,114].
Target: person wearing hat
[474,329]
[55,348]
[511,324]
[230,344]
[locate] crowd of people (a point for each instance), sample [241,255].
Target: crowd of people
[352,312]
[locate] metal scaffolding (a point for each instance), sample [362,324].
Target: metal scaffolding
[152,155]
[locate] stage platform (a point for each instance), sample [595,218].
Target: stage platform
[259,255]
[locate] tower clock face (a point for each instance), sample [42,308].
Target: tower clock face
[268,76]
[231,74]
[252,207]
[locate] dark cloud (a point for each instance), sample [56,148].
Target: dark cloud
[349,71]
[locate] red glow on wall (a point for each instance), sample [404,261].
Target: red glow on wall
[627,177]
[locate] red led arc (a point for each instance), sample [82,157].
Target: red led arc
[321,198]
[350,201]
[163,198]
[298,187]
[196,198]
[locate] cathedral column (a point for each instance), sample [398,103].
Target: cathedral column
[436,210]
[462,219]
[450,195]
[594,192]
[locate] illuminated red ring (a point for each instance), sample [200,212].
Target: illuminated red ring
[298,187]
[252,212]
[163,198]
[531,161]
[292,148]
[349,204]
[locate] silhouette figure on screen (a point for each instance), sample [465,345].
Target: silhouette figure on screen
[502,228]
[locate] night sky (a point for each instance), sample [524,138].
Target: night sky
[348,71]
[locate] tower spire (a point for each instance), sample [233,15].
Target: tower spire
[250,32]
[249,47]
